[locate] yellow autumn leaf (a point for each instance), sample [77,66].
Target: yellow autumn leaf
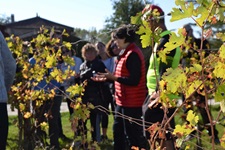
[192,118]
[27,115]
[22,107]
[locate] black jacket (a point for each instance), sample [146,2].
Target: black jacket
[94,91]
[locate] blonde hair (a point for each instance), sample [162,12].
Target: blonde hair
[88,48]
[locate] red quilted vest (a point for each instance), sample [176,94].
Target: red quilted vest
[125,95]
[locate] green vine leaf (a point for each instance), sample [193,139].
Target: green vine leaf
[219,70]
[175,40]
[51,61]
[222,106]
[195,68]
[187,10]
[136,19]
[220,93]
[203,12]
[221,36]
[192,87]
[146,34]
[192,118]
[68,45]
[75,90]
[223,141]
[222,52]
[175,79]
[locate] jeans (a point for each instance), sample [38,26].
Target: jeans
[4,125]
[95,119]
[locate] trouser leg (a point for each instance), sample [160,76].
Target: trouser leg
[118,130]
[53,121]
[4,125]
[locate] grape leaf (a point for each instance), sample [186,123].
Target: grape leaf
[222,106]
[186,12]
[68,45]
[220,93]
[220,36]
[146,34]
[56,74]
[219,70]
[162,55]
[75,90]
[203,12]
[136,19]
[192,87]
[50,61]
[195,68]
[222,52]
[192,118]
[175,79]
[175,40]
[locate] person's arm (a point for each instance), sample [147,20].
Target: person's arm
[133,65]
[9,63]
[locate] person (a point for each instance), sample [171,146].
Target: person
[68,82]
[194,44]
[93,91]
[152,110]
[51,106]
[130,90]
[112,50]
[78,61]
[73,79]
[109,62]
[7,74]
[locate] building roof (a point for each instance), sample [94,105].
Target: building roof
[37,22]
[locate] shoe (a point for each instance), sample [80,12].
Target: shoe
[104,137]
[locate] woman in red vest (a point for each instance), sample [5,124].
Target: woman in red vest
[130,90]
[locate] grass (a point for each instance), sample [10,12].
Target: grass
[13,132]
[12,142]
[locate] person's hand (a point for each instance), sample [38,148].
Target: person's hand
[153,103]
[154,98]
[99,78]
[154,95]
[104,76]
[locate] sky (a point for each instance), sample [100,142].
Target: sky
[84,14]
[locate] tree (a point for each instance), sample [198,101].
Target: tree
[46,50]
[86,35]
[123,10]
[92,35]
[5,19]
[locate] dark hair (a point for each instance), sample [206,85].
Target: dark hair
[126,32]
[109,48]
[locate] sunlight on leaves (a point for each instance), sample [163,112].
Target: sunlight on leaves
[220,93]
[192,118]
